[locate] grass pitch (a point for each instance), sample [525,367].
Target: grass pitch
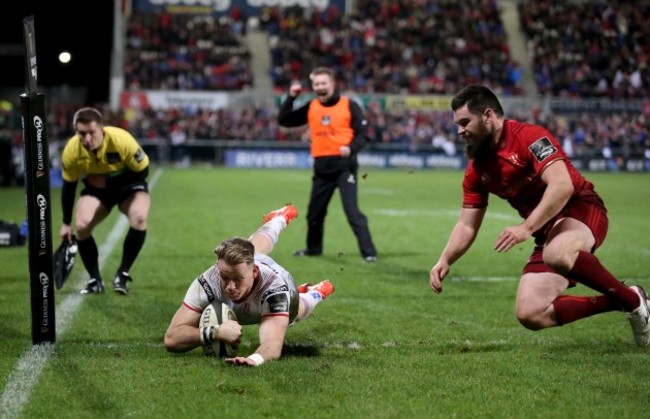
[383,346]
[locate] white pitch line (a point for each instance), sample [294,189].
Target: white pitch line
[378,191]
[30,365]
[442,213]
[484,279]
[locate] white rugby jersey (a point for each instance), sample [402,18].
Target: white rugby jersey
[274,293]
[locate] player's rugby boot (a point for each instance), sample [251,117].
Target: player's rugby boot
[121,283]
[289,212]
[640,318]
[324,288]
[94,286]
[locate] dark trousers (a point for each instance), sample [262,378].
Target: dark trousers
[322,190]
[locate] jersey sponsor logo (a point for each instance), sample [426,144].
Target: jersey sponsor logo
[139,155]
[277,290]
[542,149]
[206,287]
[279,303]
[113,158]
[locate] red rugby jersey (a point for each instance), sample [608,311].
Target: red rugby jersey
[514,174]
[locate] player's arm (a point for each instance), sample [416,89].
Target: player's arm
[460,240]
[288,117]
[359,125]
[68,193]
[183,333]
[272,333]
[70,174]
[558,191]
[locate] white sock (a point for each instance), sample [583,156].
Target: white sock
[309,299]
[272,229]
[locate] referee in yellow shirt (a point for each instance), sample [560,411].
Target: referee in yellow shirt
[113,169]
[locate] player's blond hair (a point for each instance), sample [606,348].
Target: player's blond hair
[235,251]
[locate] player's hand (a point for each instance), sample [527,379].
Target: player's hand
[230,332]
[66,233]
[437,274]
[511,237]
[295,89]
[345,151]
[241,360]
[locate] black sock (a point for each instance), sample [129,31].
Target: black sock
[133,243]
[90,256]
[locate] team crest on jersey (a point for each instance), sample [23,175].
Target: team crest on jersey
[325,120]
[542,149]
[514,159]
[113,158]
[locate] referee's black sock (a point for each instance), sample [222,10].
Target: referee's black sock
[90,256]
[133,243]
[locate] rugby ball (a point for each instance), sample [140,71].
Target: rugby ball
[214,315]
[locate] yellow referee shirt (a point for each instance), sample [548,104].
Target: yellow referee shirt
[119,152]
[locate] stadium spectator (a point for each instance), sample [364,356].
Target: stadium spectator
[257,289]
[113,168]
[525,165]
[337,127]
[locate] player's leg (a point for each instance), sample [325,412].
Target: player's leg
[265,237]
[321,194]
[540,302]
[90,212]
[347,184]
[136,207]
[568,251]
[535,296]
[311,295]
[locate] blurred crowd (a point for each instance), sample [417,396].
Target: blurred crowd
[167,51]
[582,134]
[611,136]
[409,46]
[417,46]
[597,49]
[578,49]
